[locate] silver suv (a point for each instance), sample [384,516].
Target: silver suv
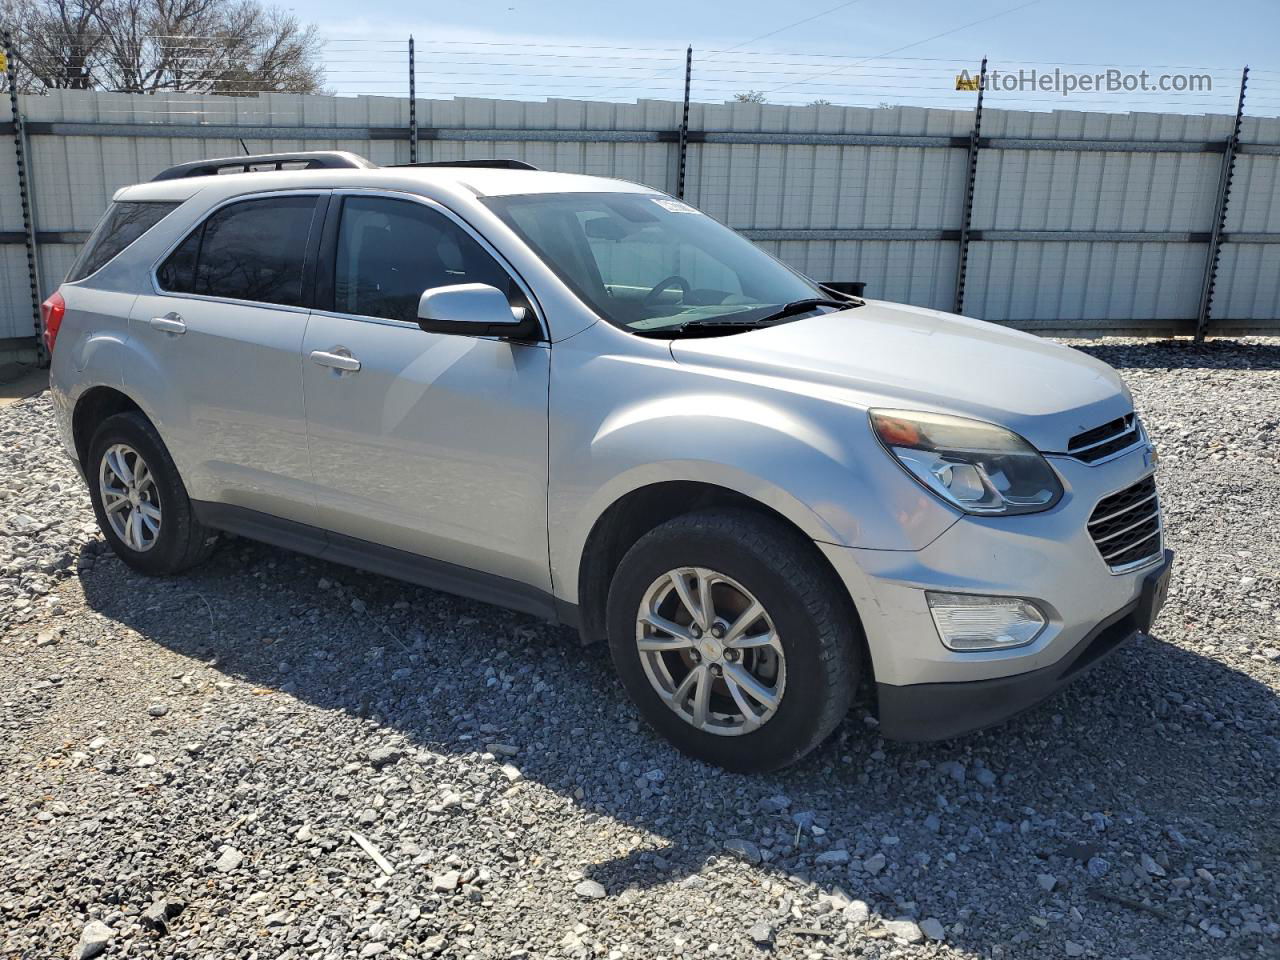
[585,399]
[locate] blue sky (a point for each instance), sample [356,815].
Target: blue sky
[550,46]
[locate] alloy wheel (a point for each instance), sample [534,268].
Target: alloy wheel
[130,498]
[710,650]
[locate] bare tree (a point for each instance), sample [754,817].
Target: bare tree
[750,96]
[236,47]
[56,42]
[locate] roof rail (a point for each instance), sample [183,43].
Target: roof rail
[308,160]
[499,163]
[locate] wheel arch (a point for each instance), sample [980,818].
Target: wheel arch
[635,513]
[91,408]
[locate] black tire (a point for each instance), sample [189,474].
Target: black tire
[182,541]
[804,600]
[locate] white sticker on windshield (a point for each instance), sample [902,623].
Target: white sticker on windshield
[673,206]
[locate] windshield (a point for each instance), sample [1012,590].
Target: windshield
[650,263]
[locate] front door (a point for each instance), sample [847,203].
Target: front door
[428,443]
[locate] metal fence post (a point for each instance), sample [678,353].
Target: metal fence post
[971,174]
[24,191]
[413,106]
[684,124]
[1220,215]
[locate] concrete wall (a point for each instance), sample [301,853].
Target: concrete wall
[792,178]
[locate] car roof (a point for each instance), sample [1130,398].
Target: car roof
[479,181]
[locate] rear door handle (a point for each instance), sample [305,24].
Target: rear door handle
[169,323]
[338,361]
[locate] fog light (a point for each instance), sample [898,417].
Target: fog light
[966,622]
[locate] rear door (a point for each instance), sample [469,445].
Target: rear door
[223,332]
[428,443]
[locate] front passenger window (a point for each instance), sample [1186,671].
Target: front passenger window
[390,251]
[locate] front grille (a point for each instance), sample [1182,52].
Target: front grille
[1101,442]
[1126,525]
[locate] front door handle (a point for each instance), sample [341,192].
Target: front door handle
[169,323]
[339,361]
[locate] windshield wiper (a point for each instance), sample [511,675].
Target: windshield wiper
[804,306]
[702,325]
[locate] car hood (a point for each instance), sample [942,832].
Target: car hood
[893,355]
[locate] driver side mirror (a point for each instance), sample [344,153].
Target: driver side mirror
[474,310]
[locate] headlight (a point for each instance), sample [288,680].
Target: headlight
[976,466]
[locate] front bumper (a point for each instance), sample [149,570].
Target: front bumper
[1048,558]
[936,711]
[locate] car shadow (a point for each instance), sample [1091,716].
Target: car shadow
[1157,752]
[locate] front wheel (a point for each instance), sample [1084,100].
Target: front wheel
[730,636]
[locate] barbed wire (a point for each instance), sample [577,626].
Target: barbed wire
[508,70]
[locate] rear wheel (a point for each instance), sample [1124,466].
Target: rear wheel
[140,502]
[730,637]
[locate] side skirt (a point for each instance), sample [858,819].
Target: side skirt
[387,561]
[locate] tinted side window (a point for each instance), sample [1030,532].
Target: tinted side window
[251,250]
[121,225]
[178,273]
[390,251]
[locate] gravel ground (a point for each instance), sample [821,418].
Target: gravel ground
[276,757]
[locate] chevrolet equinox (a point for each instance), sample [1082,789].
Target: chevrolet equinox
[587,400]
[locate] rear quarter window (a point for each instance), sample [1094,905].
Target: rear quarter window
[122,224]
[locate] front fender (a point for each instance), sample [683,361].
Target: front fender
[651,421]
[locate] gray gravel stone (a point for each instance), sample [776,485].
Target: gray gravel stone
[229,860]
[857,913]
[905,930]
[933,929]
[743,849]
[590,890]
[157,916]
[93,940]
[383,756]
[446,882]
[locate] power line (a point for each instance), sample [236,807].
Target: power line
[797,23]
[917,43]
[771,33]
